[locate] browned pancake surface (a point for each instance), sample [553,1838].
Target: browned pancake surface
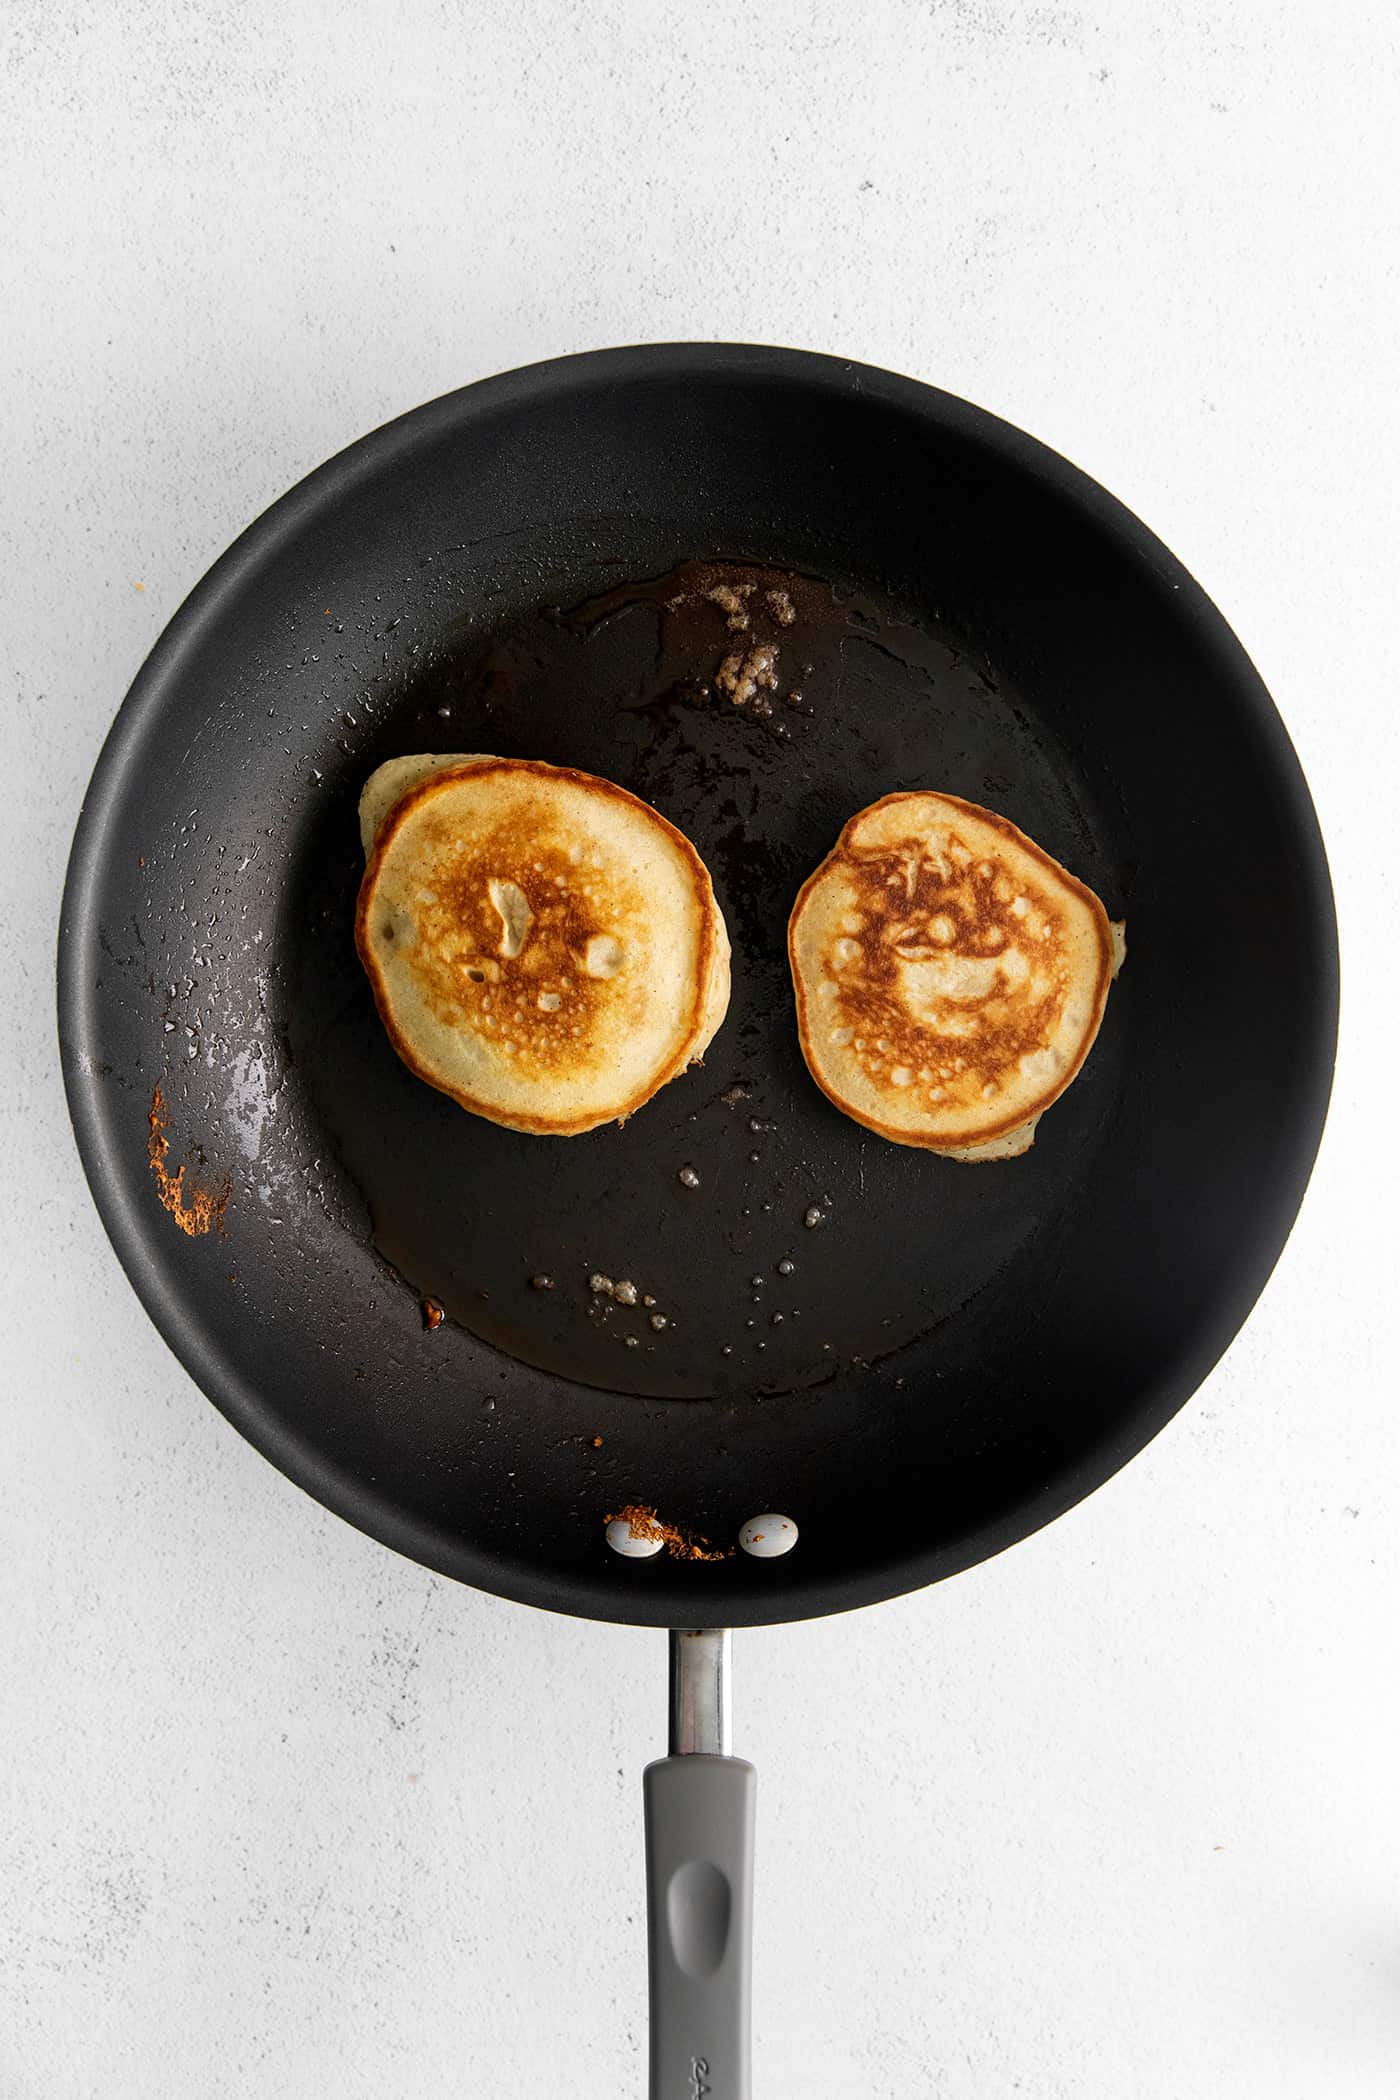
[542,945]
[950,975]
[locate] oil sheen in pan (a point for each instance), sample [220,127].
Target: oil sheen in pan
[757,708]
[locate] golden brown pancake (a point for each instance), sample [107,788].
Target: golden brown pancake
[389,783]
[950,976]
[542,946]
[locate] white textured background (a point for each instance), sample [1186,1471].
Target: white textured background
[1114,1817]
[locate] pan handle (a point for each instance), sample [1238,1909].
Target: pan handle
[699,1835]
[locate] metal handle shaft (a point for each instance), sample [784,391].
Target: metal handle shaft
[700,1691]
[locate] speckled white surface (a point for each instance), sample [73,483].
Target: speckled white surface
[1116,1815]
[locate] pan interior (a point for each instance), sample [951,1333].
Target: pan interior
[772,1244]
[978,617]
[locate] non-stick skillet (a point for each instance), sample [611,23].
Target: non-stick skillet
[916,1362]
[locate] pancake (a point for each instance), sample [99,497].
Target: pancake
[388,783]
[950,976]
[542,946]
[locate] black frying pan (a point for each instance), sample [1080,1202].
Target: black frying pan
[962,1353]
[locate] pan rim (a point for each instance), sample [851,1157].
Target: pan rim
[623,1592]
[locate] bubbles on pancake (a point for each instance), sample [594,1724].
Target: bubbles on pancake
[516,916]
[688,1178]
[603,956]
[505,957]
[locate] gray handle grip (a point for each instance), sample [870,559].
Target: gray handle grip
[699,1825]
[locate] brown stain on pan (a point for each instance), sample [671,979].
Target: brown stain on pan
[196,1210]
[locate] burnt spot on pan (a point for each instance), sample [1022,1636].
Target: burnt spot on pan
[197,1207]
[631,683]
